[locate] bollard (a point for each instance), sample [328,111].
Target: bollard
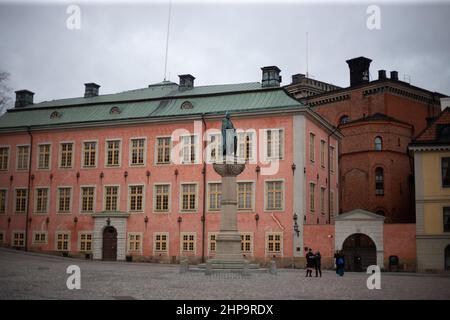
[184,266]
[272,267]
[208,270]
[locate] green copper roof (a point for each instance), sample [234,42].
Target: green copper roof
[159,100]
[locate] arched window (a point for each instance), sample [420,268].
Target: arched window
[378,144]
[379,181]
[115,110]
[344,119]
[380,213]
[55,115]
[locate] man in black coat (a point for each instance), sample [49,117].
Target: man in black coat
[309,263]
[318,264]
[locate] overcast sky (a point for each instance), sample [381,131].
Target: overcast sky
[122,47]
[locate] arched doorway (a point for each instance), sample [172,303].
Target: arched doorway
[360,252]
[447,258]
[109,250]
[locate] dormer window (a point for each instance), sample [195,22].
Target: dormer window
[55,115]
[115,110]
[443,131]
[187,105]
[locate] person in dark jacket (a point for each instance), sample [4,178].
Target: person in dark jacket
[340,264]
[309,263]
[318,263]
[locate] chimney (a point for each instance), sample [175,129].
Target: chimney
[394,75]
[297,77]
[381,74]
[270,76]
[23,98]
[186,81]
[359,70]
[91,90]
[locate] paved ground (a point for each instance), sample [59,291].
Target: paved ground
[35,276]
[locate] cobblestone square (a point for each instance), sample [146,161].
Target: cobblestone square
[37,276]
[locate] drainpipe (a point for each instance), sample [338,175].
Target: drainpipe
[29,187]
[204,191]
[329,174]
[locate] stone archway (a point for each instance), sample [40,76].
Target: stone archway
[447,258]
[360,252]
[109,247]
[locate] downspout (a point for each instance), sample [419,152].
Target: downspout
[29,188]
[329,174]
[204,191]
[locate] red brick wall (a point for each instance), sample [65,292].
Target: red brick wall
[317,237]
[400,240]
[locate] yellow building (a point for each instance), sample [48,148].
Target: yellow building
[431,152]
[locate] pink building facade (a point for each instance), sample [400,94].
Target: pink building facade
[130,175]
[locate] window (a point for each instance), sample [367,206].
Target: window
[19,239]
[163,146]
[188,196]
[380,213]
[87,199]
[134,242]
[446,219]
[312,147]
[322,200]
[85,242]
[378,144]
[344,119]
[66,155]
[162,197]
[39,237]
[44,156]
[332,203]
[136,198]
[2,238]
[274,144]
[4,158]
[212,243]
[245,195]
[90,154]
[41,200]
[445,165]
[137,152]
[331,159]
[245,145]
[189,145]
[274,195]
[188,242]
[246,243]
[64,195]
[214,196]
[21,200]
[62,241]
[23,153]
[161,240]
[215,147]
[111,198]
[274,243]
[312,196]
[3,198]
[113,153]
[379,181]
[322,153]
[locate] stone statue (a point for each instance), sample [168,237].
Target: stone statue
[229,138]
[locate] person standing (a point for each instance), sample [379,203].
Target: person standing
[318,263]
[340,264]
[309,263]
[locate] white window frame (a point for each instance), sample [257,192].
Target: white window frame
[81,199]
[58,199]
[283,192]
[170,197]
[35,196]
[13,232]
[97,153]
[17,157]
[155,162]
[283,139]
[252,209]
[194,252]
[72,160]
[130,153]
[6,201]
[207,196]
[161,252]
[106,153]
[323,149]
[196,149]
[250,253]
[217,146]
[50,153]
[210,252]
[181,198]
[266,244]
[79,241]
[118,195]
[253,144]
[141,242]
[143,197]
[15,200]
[33,241]
[312,156]
[323,209]
[312,210]
[69,240]
[9,157]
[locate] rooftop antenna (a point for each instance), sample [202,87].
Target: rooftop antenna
[167,39]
